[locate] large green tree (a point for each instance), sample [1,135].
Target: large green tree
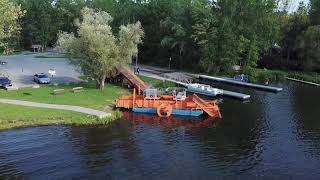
[97,50]
[235,31]
[9,22]
[315,12]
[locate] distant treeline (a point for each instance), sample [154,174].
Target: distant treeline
[198,35]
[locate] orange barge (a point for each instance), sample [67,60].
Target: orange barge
[165,105]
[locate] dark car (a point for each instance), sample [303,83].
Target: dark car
[5,82]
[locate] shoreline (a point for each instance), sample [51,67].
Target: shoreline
[21,119]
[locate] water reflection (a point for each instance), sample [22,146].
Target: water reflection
[171,122]
[306,104]
[274,136]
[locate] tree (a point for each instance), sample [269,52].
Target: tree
[311,45]
[293,27]
[315,12]
[9,21]
[96,49]
[235,31]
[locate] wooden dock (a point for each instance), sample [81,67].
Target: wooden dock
[302,81]
[244,84]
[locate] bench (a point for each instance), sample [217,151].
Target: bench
[77,89]
[58,91]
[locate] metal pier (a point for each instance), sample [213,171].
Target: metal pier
[231,94]
[244,84]
[302,81]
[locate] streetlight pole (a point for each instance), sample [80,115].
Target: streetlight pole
[137,60]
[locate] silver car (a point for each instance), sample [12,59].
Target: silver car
[41,78]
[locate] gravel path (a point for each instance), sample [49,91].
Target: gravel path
[99,114]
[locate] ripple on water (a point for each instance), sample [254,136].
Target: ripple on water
[271,137]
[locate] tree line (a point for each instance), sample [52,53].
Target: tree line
[199,35]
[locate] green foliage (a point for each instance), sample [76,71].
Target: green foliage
[261,75]
[9,23]
[97,50]
[200,35]
[231,32]
[312,48]
[18,116]
[157,83]
[315,12]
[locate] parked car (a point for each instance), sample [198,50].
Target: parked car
[5,82]
[3,62]
[41,78]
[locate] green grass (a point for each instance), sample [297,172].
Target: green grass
[17,116]
[157,83]
[90,97]
[259,75]
[12,116]
[311,77]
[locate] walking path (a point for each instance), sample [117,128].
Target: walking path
[99,114]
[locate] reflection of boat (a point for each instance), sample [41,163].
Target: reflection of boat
[169,122]
[167,105]
[204,89]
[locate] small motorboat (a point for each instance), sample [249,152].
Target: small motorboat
[204,89]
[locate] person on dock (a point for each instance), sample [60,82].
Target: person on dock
[267,82]
[138,70]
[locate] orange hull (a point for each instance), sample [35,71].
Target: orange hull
[190,103]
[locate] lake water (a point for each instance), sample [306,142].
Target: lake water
[273,136]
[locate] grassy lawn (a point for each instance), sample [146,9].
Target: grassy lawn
[90,97]
[157,83]
[12,116]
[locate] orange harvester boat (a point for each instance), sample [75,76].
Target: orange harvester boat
[163,105]
[166,105]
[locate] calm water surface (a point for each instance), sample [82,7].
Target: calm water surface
[272,136]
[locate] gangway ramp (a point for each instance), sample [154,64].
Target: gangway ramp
[133,79]
[210,108]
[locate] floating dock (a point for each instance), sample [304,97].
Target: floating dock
[244,84]
[231,94]
[302,81]
[236,95]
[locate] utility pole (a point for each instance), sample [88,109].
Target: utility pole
[137,60]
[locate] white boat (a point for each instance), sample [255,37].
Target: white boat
[204,89]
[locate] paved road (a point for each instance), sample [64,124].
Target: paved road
[22,67]
[99,114]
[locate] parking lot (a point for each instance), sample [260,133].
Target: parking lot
[21,68]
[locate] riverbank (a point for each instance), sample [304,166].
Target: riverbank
[259,75]
[13,116]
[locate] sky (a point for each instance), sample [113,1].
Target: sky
[295,4]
